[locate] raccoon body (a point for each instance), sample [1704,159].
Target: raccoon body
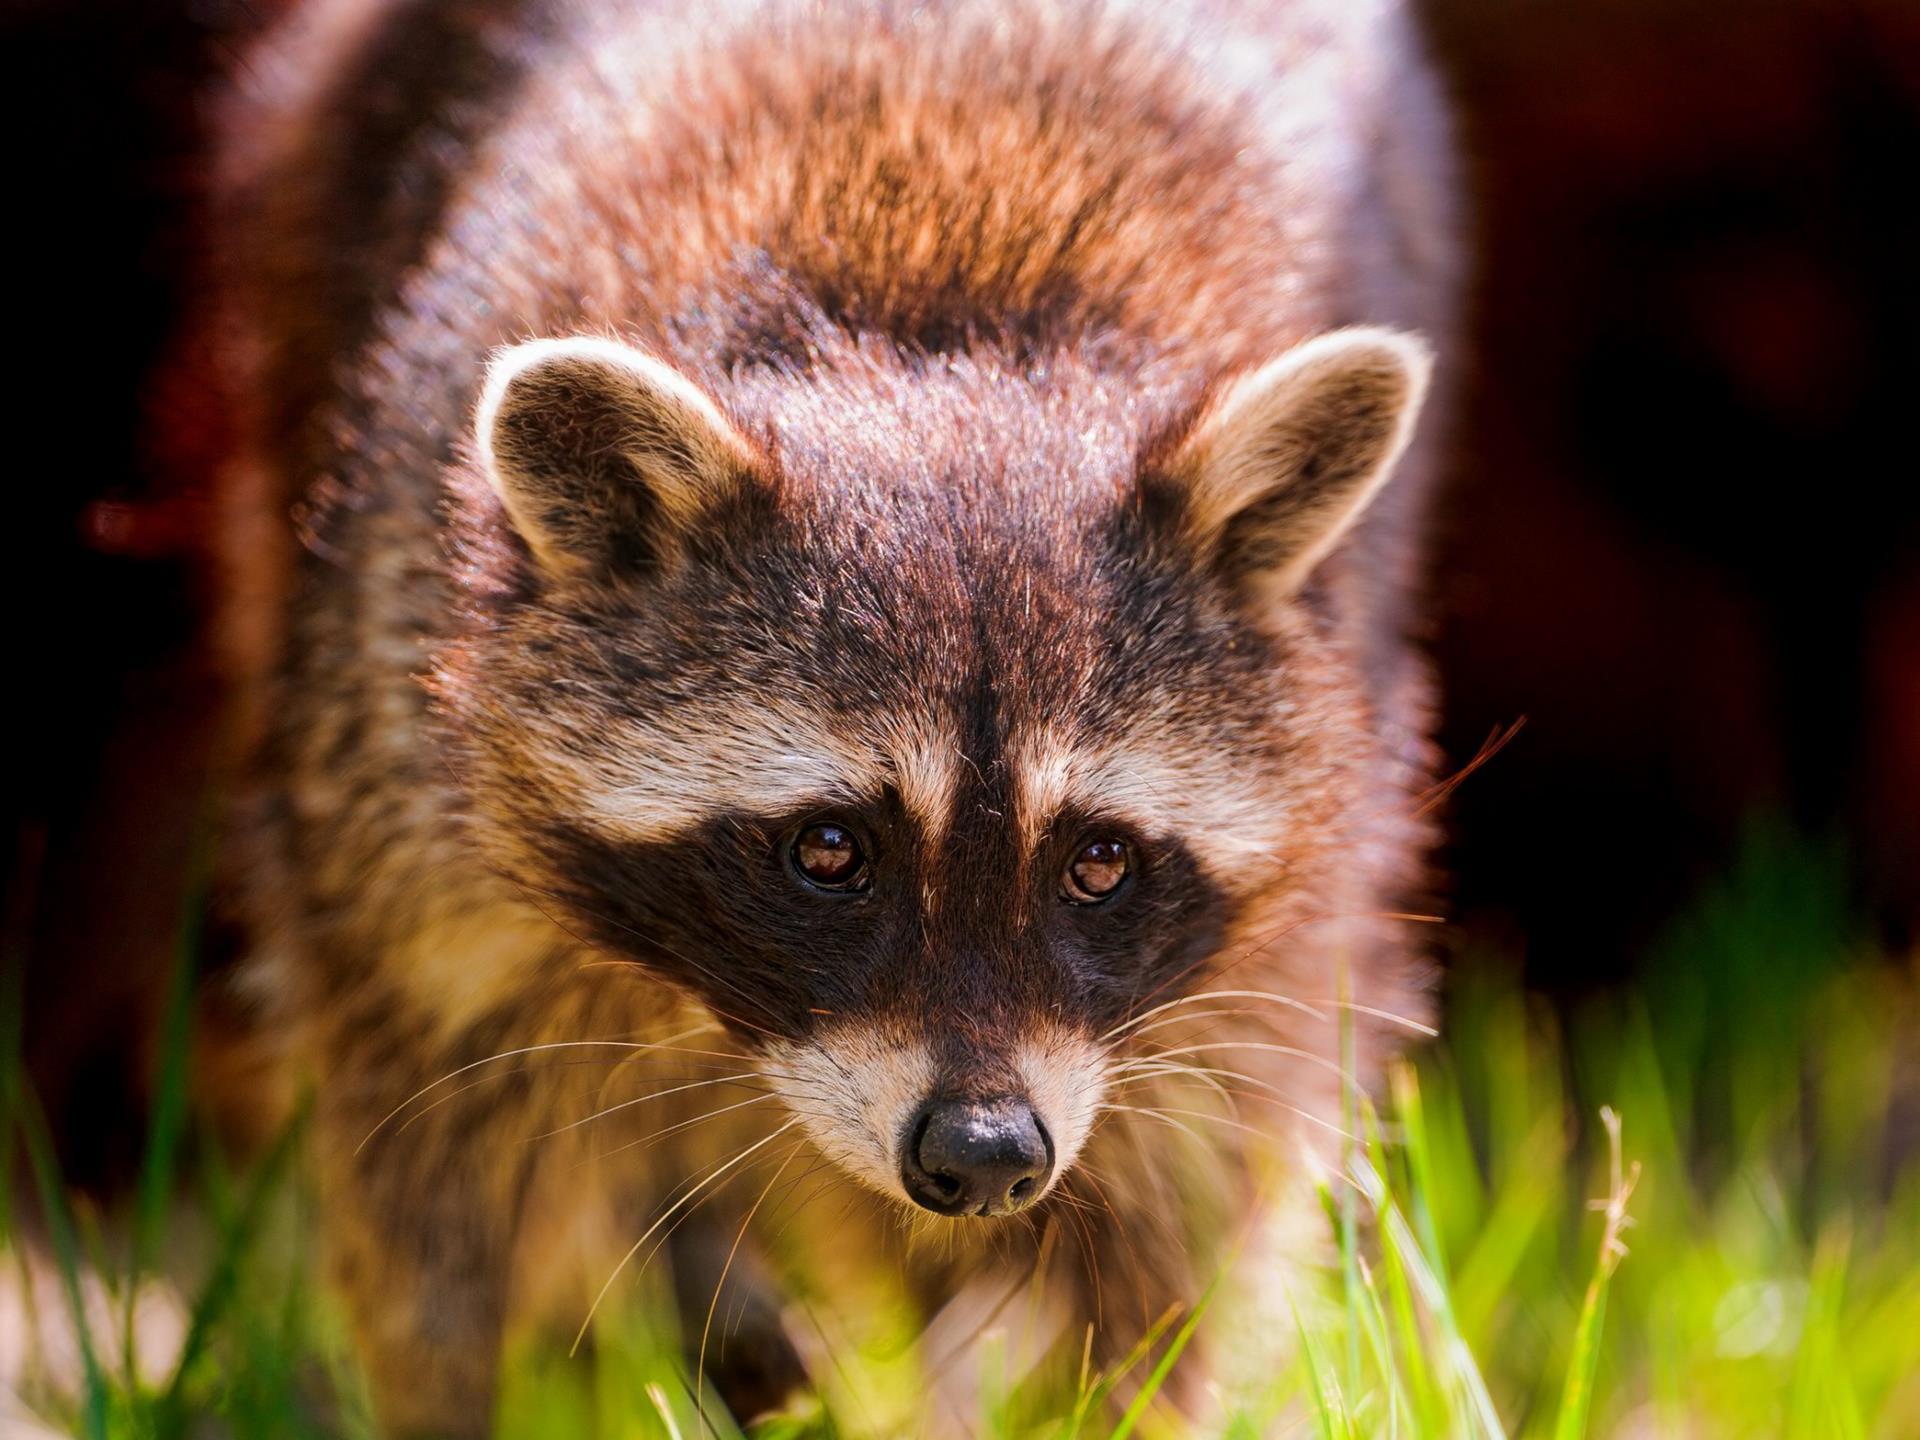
[842,637]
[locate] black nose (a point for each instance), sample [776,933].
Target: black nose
[963,1158]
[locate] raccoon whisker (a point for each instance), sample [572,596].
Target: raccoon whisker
[1274,1097]
[1259,945]
[1165,1113]
[1280,932]
[1152,1061]
[1048,1237]
[1183,1018]
[854,1198]
[923,1231]
[603,961]
[818,1165]
[680,1125]
[627,1045]
[1159,1214]
[828,1181]
[1374,1012]
[1270,995]
[1081,1214]
[1089,1251]
[823,1113]
[706,1330]
[1194,1019]
[1258,1018]
[667,1237]
[458,1091]
[785,1205]
[1156,1115]
[1141,1072]
[742,1077]
[1291,1108]
[1078,1202]
[1244,1086]
[1098,1181]
[1132,1077]
[1165,1204]
[1331,1066]
[705,1183]
[447,1099]
[630,1068]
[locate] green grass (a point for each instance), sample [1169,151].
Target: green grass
[1681,1211]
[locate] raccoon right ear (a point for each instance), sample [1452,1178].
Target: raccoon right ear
[1286,458]
[603,457]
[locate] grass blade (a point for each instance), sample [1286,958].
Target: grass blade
[66,1251]
[168,1119]
[1164,1367]
[218,1291]
[1576,1400]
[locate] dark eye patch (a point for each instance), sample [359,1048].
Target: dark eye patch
[721,909]
[724,910]
[1159,940]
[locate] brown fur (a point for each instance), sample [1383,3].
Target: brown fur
[960,295]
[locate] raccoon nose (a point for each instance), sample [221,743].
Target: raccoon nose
[965,1158]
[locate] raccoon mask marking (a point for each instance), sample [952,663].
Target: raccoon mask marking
[925,761]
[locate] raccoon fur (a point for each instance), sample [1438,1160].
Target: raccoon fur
[821,595]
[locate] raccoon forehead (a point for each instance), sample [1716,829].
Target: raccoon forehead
[641,782]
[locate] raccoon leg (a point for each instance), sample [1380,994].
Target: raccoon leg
[729,1305]
[418,1222]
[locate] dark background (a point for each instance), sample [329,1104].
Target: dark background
[1680,542]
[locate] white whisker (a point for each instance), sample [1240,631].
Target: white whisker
[626,1045]
[1211,1045]
[687,1124]
[1269,995]
[704,1183]
[742,1076]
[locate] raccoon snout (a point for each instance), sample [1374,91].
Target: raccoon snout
[964,1158]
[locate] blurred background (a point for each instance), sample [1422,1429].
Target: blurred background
[1680,543]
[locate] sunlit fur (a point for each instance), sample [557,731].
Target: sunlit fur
[992,423]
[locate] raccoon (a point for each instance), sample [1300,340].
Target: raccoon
[823,601]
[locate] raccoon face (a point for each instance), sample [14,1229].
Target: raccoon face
[927,727]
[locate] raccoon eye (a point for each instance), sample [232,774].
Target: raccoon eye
[1097,869]
[828,855]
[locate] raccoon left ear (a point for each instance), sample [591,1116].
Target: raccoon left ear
[1289,456]
[603,456]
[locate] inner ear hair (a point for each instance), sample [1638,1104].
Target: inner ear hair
[1287,457]
[603,457]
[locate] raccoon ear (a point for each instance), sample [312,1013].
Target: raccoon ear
[603,457]
[1288,457]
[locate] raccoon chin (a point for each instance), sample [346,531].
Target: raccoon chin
[879,1106]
